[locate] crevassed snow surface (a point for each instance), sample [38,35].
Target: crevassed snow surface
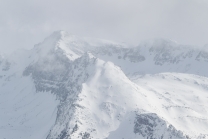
[69,88]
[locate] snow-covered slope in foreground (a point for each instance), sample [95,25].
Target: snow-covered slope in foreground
[69,88]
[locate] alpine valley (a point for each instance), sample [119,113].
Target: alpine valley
[68,87]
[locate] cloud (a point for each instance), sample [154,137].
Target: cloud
[24,23]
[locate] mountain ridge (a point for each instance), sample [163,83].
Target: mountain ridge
[95,87]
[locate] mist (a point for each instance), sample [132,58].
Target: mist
[25,23]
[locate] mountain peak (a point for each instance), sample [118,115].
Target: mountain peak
[59,33]
[50,44]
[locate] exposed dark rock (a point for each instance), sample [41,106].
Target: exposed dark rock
[148,125]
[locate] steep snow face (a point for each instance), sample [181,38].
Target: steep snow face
[100,106]
[69,87]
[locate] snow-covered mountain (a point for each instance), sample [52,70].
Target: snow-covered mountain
[69,87]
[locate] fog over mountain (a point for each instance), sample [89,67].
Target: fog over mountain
[71,87]
[23,23]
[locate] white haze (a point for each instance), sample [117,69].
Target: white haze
[23,23]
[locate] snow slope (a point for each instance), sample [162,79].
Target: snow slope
[69,87]
[24,113]
[180,98]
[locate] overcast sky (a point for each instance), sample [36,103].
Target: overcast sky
[24,23]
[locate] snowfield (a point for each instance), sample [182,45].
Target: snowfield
[69,87]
